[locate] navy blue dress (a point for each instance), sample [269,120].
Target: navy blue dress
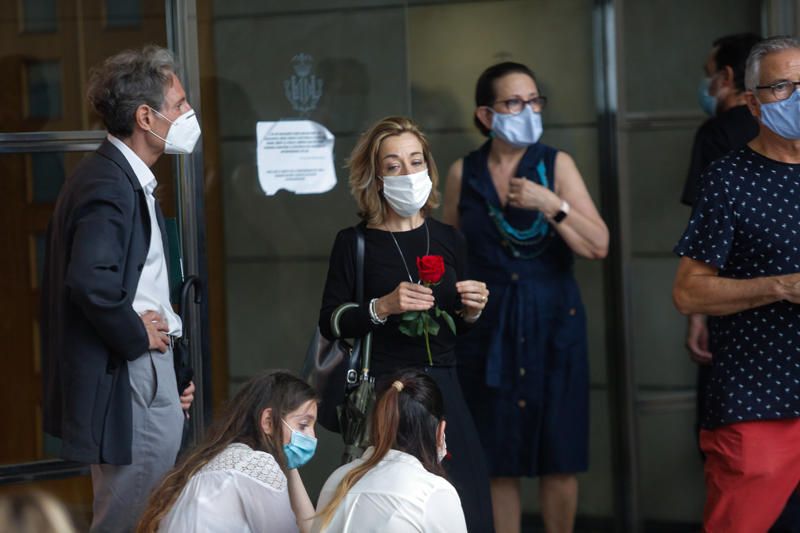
[524,366]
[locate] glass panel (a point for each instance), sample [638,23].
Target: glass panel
[664,56]
[40,245]
[39,16]
[44,89]
[47,176]
[425,63]
[48,47]
[123,13]
[44,69]
[658,163]
[23,225]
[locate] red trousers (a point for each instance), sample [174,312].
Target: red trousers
[751,470]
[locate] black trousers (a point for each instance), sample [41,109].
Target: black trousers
[465,466]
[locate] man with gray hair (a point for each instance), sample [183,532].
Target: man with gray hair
[740,264]
[107,324]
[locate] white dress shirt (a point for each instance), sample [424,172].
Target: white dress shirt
[152,293]
[240,490]
[396,496]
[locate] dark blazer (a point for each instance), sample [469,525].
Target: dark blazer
[97,243]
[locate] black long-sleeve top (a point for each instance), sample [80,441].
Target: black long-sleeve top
[383,271]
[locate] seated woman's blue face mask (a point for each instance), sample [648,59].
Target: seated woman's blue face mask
[300,448]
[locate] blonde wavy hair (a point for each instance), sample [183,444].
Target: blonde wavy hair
[364,165]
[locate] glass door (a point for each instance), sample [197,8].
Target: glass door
[46,128]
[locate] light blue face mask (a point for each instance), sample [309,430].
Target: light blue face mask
[783,117]
[300,449]
[520,130]
[707,102]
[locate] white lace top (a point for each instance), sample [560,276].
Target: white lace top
[239,490]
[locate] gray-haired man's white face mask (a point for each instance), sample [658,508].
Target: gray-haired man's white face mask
[182,134]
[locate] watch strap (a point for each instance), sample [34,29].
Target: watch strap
[562,212]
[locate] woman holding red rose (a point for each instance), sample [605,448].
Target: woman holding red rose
[416,300]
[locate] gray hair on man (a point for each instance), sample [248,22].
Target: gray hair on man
[127,80]
[752,73]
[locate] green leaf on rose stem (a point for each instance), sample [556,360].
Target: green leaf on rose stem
[408,316]
[438,311]
[433,326]
[450,323]
[409,329]
[420,325]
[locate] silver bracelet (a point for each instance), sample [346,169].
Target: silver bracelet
[373,315]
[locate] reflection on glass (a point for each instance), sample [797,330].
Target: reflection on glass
[44,89]
[39,16]
[123,13]
[40,244]
[47,176]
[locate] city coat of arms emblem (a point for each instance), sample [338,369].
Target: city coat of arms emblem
[303,89]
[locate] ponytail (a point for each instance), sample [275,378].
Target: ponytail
[385,421]
[413,402]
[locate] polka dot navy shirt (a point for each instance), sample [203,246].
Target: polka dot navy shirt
[746,222]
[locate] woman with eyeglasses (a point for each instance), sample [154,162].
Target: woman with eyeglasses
[525,212]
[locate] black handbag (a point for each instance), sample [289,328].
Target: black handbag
[332,367]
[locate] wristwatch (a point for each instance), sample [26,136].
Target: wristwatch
[562,212]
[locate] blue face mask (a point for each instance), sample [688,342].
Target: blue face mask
[707,102]
[300,449]
[520,130]
[783,117]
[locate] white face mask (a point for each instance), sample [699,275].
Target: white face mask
[406,195]
[182,135]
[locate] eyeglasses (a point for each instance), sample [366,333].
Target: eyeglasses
[516,105]
[781,89]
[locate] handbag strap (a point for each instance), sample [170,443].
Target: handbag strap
[359,264]
[362,347]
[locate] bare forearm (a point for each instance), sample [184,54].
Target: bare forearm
[301,503]
[585,236]
[715,295]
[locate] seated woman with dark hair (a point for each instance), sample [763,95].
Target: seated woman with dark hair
[398,484]
[244,477]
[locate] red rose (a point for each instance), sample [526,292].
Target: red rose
[431,268]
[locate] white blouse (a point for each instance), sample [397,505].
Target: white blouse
[239,490]
[396,496]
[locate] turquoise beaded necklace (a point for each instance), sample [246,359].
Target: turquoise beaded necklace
[524,243]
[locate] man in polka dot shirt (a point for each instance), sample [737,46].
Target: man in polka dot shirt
[740,264]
